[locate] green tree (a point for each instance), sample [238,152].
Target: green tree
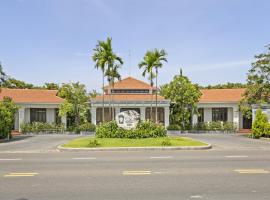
[260,125]
[152,60]
[76,101]
[14,83]
[51,86]
[104,59]
[8,110]
[112,73]
[258,83]
[225,86]
[3,76]
[184,96]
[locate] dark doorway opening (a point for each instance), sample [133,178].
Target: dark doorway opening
[247,123]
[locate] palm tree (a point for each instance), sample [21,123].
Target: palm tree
[159,56]
[112,74]
[104,59]
[153,60]
[148,64]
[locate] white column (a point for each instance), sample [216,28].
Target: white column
[64,121]
[117,110]
[167,116]
[93,115]
[21,117]
[194,119]
[142,113]
[236,116]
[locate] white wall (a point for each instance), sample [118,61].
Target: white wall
[50,115]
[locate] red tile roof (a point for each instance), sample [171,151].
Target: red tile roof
[129,97]
[221,95]
[31,95]
[130,83]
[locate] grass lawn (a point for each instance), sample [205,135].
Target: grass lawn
[145,142]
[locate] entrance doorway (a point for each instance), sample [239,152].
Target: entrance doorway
[247,123]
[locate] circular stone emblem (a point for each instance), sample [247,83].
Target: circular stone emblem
[128,119]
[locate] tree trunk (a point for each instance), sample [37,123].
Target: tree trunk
[103,97]
[151,108]
[156,93]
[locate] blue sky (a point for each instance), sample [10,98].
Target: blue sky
[214,41]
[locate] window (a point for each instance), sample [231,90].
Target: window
[37,115]
[108,114]
[200,115]
[130,91]
[219,114]
[160,114]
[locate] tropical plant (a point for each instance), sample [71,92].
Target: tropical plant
[75,103]
[7,112]
[104,59]
[153,60]
[258,84]
[184,96]
[260,125]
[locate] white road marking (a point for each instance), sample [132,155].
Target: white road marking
[89,158]
[161,157]
[10,159]
[196,197]
[135,173]
[236,156]
[251,171]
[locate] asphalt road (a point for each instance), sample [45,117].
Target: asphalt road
[242,172]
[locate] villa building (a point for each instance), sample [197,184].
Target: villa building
[222,105]
[130,94]
[35,105]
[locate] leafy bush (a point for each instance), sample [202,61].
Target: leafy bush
[39,127]
[215,126]
[87,127]
[7,112]
[144,130]
[93,143]
[166,142]
[260,127]
[173,127]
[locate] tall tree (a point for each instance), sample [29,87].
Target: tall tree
[160,57]
[51,86]
[3,76]
[76,101]
[184,96]
[258,83]
[153,60]
[7,112]
[112,74]
[104,59]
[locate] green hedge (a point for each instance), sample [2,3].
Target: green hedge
[39,127]
[173,127]
[144,130]
[215,126]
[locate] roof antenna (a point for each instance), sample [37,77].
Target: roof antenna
[129,60]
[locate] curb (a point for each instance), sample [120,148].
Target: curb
[209,146]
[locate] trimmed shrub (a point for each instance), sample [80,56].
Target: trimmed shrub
[144,129]
[93,143]
[260,125]
[39,127]
[215,126]
[87,127]
[166,142]
[174,127]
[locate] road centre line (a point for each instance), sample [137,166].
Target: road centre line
[10,159]
[251,171]
[88,158]
[161,157]
[135,173]
[236,156]
[21,174]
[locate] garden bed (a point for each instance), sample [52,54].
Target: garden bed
[90,142]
